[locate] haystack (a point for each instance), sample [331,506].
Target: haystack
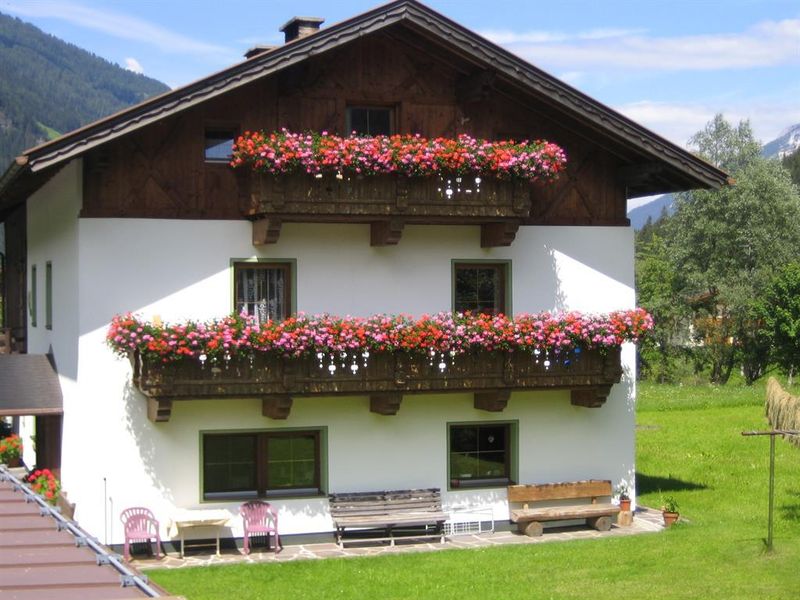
[783,410]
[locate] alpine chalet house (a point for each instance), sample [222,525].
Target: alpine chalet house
[132,241]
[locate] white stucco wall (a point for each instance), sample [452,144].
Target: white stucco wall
[52,229]
[114,457]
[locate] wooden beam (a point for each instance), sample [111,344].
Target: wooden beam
[276,407]
[475,87]
[159,410]
[386,233]
[636,174]
[493,401]
[385,404]
[498,234]
[266,231]
[589,397]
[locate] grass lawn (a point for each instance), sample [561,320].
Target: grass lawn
[689,446]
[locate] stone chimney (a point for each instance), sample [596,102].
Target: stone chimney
[300,27]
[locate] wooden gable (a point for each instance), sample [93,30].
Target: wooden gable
[160,171]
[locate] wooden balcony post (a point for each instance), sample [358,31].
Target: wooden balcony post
[266,231]
[385,233]
[277,406]
[493,401]
[385,404]
[159,410]
[498,234]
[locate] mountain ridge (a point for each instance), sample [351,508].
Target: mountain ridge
[49,87]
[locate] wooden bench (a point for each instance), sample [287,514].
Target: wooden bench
[529,520]
[387,512]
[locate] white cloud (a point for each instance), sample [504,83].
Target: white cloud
[505,36]
[115,24]
[679,121]
[572,77]
[133,65]
[768,43]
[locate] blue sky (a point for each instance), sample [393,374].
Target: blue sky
[671,65]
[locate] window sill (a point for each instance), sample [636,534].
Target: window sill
[230,499]
[486,484]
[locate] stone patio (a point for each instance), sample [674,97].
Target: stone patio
[646,520]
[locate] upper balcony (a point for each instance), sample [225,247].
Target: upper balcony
[387,203]
[389,181]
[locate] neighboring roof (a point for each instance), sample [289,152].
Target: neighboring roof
[410,13]
[29,386]
[43,555]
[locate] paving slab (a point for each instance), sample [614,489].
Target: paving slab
[646,520]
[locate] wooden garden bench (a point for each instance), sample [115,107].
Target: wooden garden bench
[530,519]
[387,512]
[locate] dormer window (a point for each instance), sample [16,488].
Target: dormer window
[370,120]
[219,144]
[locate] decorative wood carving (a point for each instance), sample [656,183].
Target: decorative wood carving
[266,231]
[494,401]
[491,376]
[498,234]
[385,404]
[386,233]
[276,407]
[298,197]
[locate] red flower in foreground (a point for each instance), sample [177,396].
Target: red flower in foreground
[43,482]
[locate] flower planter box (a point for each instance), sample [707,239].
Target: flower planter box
[491,376]
[381,196]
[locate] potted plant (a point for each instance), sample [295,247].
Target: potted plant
[669,510]
[624,497]
[44,483]
[10,450]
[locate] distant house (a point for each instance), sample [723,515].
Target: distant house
[141,212]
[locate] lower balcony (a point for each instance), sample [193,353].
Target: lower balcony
[385,378]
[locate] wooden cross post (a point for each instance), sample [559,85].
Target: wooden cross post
[772,433]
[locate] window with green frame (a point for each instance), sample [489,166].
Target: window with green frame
[48,295]
[32,299]
[481,287]
[481,454]
[263,290]
[260,464]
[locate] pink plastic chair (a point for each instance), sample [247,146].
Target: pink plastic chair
[259,518]
[140,525]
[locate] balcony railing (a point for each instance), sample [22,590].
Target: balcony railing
[385,378]
[387,203]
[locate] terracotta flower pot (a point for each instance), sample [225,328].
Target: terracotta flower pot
[625,504]
[669,518]
[14,462]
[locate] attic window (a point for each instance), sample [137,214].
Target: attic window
[219,144]
[369,120]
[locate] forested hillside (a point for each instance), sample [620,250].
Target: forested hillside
[49,87]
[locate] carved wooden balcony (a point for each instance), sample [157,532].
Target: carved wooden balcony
[490,377]
[387,203]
